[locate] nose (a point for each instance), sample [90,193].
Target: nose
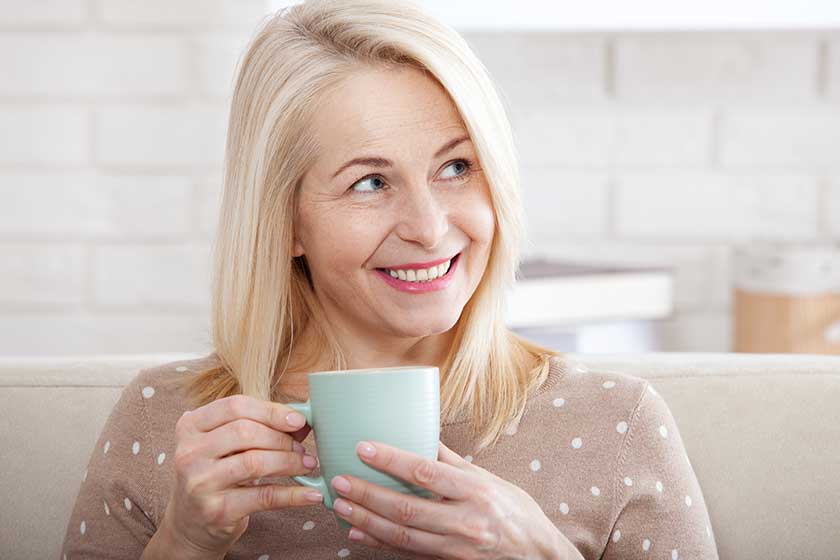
[422,218]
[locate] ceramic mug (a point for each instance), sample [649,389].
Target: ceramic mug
[399,406]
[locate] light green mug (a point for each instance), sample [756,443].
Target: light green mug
[399,406]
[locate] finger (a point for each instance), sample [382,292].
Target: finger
[392,534]
[449,457]
[403,509]
[243,434]
[242,501]
[441,478]
[224,410]
[255,463]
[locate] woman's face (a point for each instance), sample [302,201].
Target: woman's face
[420,198]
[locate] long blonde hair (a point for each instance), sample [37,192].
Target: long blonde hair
[262,297]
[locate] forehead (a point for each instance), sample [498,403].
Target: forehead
[395,109]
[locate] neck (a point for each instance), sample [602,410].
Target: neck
[362,351]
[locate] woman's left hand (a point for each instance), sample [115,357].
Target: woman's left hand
[477,514]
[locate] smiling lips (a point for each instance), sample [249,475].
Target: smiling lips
[421,280]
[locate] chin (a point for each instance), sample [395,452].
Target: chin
[425,328]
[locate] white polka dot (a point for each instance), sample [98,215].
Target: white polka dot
[148,392]
[616,535]
[135,447]
[160,458]
[82,528]
[468,458]
[264,557]
[688,501]
[107,446]
[127,504]
[564,508]
[663,431]
[608,384]
[183,369]
[577,442]
[595,491]
[646,544]
[659,485]
[535,465]
[581,368]
[558,402]
[674,554]
[628,481]
[621,427]
[107,509]
[84,477]
[343,553]
[308,525]
[510,430]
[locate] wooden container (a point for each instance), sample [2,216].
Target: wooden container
[787,299]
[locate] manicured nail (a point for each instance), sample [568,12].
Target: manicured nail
[298,448]
[313,496]
[309,461]
[295,419]
[355,535]
[342,507]
[341,484]
[366,449]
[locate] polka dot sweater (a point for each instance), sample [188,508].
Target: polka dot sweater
[599,451]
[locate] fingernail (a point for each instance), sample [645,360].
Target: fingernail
[295,419]
[297,447]
[355,534]
[366,449]
[310,461]
[341,484]
[313,496]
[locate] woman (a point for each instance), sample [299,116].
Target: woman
[368,153]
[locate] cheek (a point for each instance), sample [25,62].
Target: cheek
[478,218]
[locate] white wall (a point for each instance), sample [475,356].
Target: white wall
[661,148]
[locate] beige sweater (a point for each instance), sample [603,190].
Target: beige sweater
[599,451]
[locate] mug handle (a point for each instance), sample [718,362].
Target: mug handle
[316,482]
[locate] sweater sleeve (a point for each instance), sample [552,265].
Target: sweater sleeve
[112,515]
[660,505]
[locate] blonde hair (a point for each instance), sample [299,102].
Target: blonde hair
[262,297]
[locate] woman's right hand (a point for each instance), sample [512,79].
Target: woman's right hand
[219,446]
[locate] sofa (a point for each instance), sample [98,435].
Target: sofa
[762,432]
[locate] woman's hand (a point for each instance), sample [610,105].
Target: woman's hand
[477,514]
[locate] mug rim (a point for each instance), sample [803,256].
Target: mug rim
[370,371]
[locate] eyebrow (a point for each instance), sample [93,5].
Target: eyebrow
[382,162]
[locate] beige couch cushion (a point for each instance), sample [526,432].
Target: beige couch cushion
[761,430]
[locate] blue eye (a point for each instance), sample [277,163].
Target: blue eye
[467,165]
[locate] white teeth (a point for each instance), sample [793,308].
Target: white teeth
[421,275]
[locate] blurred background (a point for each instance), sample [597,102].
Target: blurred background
[679,166]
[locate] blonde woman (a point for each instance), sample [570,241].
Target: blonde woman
[371,217]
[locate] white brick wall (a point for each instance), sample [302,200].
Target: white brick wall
[662,149]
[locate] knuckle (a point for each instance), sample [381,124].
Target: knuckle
[237,404]
[406,512]
[267,496]
[402,538]
[244,430]
[213,510]
[474,528]
[181,426]
[425,472]
[251,464]
[183,458]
